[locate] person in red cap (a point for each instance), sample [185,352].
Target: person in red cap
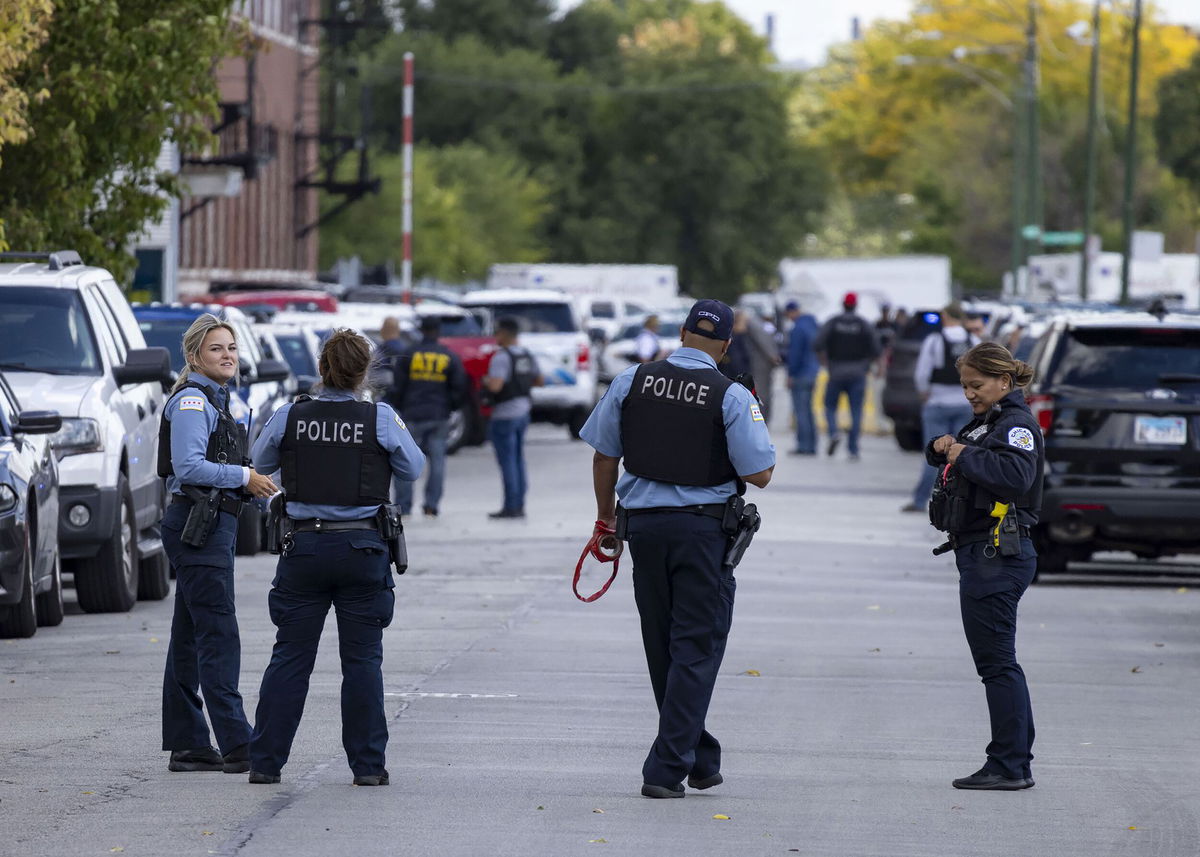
[847,346]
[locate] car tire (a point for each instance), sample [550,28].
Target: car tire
[20,619]
[1052,560]
[458,428]
[250,528]
[154,577]
[49,605]
[910,439]
[108,581]
[575,421]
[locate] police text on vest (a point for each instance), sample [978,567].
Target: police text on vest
[329,431]
[671,389]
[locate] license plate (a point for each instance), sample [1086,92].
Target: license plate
[1160,430]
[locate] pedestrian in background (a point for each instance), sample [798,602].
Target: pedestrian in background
[802,368]
[764,357]
[847,346]
[430,384]
[737,357]
[202,448]
[943,408]
[391,345]
[647,345]
[512,374]
[1000,456]
[337,456]
[688,436]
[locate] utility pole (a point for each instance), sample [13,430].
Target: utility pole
[1033,171]
[406,217]
[1130,152]
[1089,193]
[1018,209]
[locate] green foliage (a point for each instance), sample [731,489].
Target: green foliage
[1177,126]
[121,76]
[499,24]
[23,26]
[471,207]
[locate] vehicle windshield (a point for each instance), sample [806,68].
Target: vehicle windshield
[537,317]
[46,330]
[1134,358]
[167,333]
[296,354]
[460,325]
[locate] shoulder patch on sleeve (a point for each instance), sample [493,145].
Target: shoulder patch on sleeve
[756,413]
[1021,438]
[191,403]
[399,421]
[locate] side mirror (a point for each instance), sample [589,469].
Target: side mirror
[272,370]
[37,422]
[145,366]
[304,383]
[246,373]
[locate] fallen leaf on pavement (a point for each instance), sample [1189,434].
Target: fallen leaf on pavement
[1136,670]
[210,833]
[1133,827]
[113,652]
[154,639]
[599,811]
[115,850]
[1182,590]
[597,840]
[875,650]
[541,807]
[752,672]
[719,817]
[1159,645]
[89,793]
[873,607]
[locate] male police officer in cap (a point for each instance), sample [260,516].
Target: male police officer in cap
[690,439]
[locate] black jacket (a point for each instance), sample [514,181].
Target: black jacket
[428,382]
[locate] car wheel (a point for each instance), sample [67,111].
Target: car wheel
[575,421]
[20,619]
[50,603]
[910,439]
[108,581]
[456,432]
[154,577]
[1052,560]
[249,534]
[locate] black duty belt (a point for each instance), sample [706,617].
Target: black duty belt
[958,540]
[319,525]
[232,505]
[709,510]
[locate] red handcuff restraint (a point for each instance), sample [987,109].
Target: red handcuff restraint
[600,546]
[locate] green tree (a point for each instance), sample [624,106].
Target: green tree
[499,24]
[23,26]
[121,77]
[1177,125]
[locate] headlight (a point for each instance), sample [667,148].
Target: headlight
[76,435]
[8,499]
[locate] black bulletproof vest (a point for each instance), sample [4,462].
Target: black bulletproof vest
[673,428]
[947,373]
[330,455]
[849,339]
[520,379]
[428,369]
[226,445]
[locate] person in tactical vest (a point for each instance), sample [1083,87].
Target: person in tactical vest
[429,385]
[202,454]
[691,439]
[943,408]
[511,374]
[337,455]
[847,345]
[987,500]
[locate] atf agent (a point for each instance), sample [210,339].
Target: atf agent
[337,456]
[201,452]
[512,374]
[987,501]
[690,439]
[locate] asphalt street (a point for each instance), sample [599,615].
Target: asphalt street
[519,716]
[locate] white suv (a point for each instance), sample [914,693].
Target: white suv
[553,332]
[69,342]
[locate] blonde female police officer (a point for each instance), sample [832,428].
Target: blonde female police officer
[998,457]
[337,455]
[200,449]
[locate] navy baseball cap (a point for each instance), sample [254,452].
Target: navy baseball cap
[714,312]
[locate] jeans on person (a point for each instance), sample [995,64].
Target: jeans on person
[508,439]
[937,420]
[855,388]
[806,426]
[431,436]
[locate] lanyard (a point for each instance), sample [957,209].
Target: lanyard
[600,546]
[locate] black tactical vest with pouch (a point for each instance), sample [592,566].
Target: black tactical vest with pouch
[330,455]
[226,445]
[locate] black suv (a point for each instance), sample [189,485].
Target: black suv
[1118,399]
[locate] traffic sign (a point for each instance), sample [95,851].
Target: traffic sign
[1062,239]
[1031,232]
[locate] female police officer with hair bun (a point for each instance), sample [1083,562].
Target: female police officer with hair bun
[337,455]
[988,500]
[201,452]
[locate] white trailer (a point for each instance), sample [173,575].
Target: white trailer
[652,285]
[910,282]
[1174,277]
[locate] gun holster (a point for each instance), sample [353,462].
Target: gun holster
[748,522]
[391,529]
[278,523]
[206,505]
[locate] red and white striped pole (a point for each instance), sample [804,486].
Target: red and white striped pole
[406,215]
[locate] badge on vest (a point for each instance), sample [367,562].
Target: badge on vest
[979,432]
[1021,438]
[756,413]
[191,403]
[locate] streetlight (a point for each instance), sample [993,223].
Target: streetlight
[1076,32]
[1130,152]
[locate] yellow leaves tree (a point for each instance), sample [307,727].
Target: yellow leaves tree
[23,27]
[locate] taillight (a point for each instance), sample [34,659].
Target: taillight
[583,357]
[1043,411]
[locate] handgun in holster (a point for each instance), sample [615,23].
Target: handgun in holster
[391,529]
[1005,538]
[206,505]
[279,525]
[741,521]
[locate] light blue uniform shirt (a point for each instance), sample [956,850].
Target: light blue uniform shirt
[405,456]
[193,419]
[750,447]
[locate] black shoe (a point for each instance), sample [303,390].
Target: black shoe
[373,780]
[198,759]
[237,760]
[258,779]
[911,507]
[801,452]
[833,444]
[705,782]
[985,779]
[649,790]
[430,512]
[507,513]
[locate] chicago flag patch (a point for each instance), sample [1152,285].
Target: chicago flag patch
[1021,438]
[191,403]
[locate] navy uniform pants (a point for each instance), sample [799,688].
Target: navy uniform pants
[989,590]
[205,653]
[684,596]
[350,570]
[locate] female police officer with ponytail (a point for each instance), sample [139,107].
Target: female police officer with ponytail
[201,451]
[987,499]
[337,455]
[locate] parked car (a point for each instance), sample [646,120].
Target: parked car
[1118,399]
[68,341]
[271,301]
[552,330]
[300,348]
[621,353]
[30,571]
